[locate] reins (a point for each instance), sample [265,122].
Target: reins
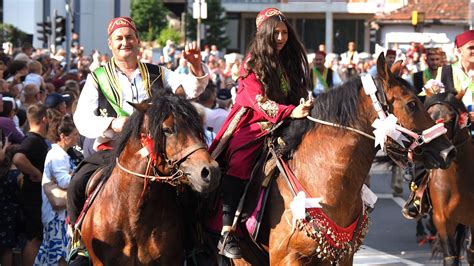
[341,126]
[174,179]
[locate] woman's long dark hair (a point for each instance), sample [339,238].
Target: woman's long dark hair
[265,61]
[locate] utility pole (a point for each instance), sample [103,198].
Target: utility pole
[53,32]
[199,12]
[68,34]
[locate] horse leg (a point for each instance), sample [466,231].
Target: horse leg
[420,231]
[470,248]
[348,261]
[448,245]
[285,258]
[446,231]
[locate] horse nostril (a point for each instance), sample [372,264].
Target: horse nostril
[205,173]
[448,154]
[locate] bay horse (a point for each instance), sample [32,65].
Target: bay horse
[329,161]
[137,218]
[452,190]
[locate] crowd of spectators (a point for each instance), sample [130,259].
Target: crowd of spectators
[354,62]
[37,91]
[38,147]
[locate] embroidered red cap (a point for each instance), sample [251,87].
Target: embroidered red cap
[121,22]
[265,14]
[463,38]
[391,52]
[320,53]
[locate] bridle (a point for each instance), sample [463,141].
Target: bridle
[176,176]
[461,121]
[387,126]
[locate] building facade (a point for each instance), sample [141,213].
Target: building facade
[330,22]
[89,18]
[437,25]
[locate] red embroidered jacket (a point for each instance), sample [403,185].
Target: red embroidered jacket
[247,121]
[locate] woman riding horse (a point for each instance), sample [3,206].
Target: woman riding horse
[273,78]
[316,214]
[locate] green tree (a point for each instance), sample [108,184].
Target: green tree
[149,17]
[10,33]
[215,25]
[169,34]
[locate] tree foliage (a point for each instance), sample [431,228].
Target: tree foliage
[10,33]
[215,25]
[149,17]
[169,34]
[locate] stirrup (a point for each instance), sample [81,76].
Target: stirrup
[229,246]
[411,209]
[77,250]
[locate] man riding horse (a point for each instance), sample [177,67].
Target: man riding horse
[103,107]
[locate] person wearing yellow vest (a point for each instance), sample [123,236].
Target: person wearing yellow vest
[433,59]
[459,75]
[323,78]
[103,108]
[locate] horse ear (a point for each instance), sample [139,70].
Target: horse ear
[382,68]
[429,92]
[180,92]
[141,107]
[396,68]
[460,94]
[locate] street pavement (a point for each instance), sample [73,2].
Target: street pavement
[391,237]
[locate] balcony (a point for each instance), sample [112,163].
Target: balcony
[314,6]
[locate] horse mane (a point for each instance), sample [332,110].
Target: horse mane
[339,105]
[445,97]
[162,104]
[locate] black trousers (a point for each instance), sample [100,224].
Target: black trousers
[76,192]
[232,190]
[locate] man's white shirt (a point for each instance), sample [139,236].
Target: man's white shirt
[92,125]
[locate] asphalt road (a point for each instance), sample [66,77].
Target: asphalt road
[391,237]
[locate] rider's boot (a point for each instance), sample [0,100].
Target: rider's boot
[232,190]
[229,246]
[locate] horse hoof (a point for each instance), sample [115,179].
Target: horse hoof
[470,256]
[451,261]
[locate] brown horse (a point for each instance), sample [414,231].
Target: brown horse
[330,161]
[452,190]
[137,218]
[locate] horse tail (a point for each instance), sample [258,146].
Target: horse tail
[460,236]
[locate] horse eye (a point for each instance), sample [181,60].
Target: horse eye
[412,105]
[168,131]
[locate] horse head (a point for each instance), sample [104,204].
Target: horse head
[172,136]
[448,108]
[398,98]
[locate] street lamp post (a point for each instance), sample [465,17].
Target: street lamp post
[199,12]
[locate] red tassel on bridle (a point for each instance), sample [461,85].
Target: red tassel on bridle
[147,150]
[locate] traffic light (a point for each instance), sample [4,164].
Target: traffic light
[44,31]
[60,29]
[417,20]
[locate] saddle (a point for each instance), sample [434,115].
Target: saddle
[94,181]
[255,197]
